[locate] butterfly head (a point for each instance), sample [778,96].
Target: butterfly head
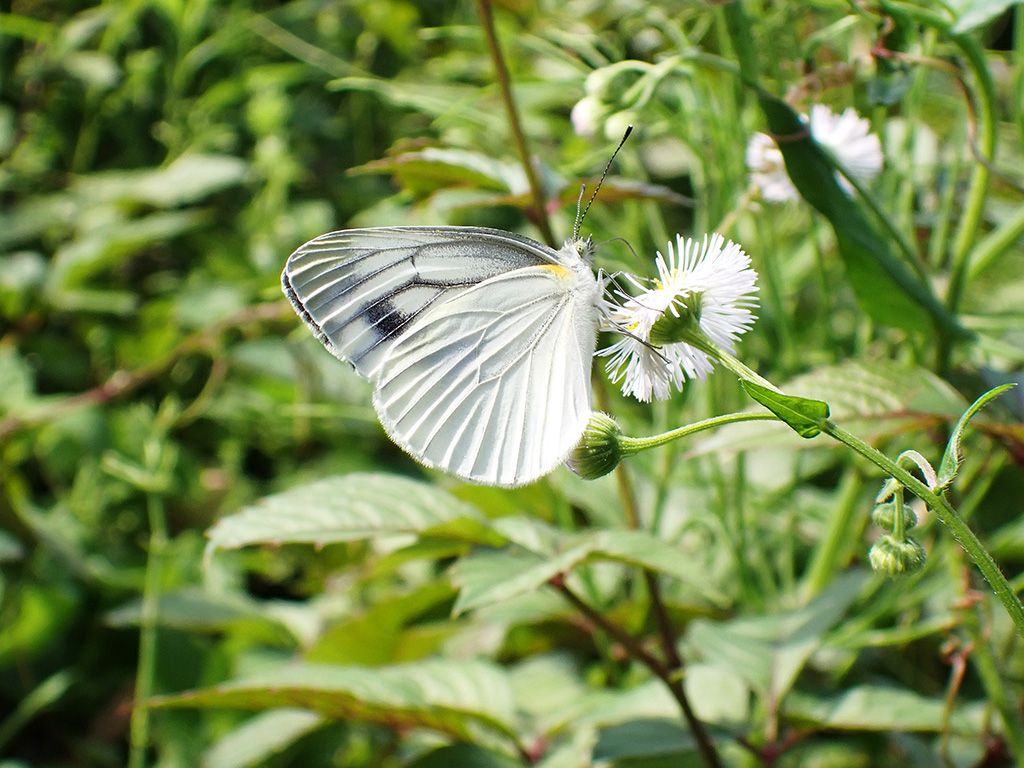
[583,248]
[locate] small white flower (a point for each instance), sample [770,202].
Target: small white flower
[847,136]
[716,274]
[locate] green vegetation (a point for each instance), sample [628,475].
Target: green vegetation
[200,515]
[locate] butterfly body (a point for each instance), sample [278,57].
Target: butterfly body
[478,342]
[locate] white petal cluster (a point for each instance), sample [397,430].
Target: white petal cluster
[713,271]
[847,136]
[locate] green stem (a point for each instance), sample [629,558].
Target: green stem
[946,514]
[139,732]
[943,510]
[744,47]
[985,136]
[631,445]
[828,557]
[505,85]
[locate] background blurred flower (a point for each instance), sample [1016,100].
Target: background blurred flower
[847,136]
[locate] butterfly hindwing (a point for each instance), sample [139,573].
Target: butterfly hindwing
[494,384]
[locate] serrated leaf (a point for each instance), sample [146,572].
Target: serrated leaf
[884,708]
[261,737]
[488,577]
[802,414]
[884,285]
[350,508]
[869,397]
[950,464]
[466,700]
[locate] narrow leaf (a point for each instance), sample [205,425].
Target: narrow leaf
[804,415]
[950,464]
[884,285]
[260,738]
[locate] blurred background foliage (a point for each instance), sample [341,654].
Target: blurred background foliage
[159,159]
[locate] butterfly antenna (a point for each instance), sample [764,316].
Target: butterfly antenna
[579,217]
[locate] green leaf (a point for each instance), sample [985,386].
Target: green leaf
[489,577]
[885,287]
[260,738]
[378,635]
[884,708]
[666,742]
[869,397]
[438,168]
[466,699]
[11,549]
[17,385]
[971,14]
[196,611]
[189,179]
[769,652]
[464,756]
[350,508]
[950,464]
[802,414]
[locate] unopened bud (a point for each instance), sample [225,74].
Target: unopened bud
[896,558]
[884,516]
[599,451]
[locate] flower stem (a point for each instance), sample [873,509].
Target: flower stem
[631,445]
[946,514]
[943,510]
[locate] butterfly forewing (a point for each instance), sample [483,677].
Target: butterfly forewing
[358,289]
[478,342]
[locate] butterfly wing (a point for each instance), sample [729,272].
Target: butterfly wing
[359,289]
[493,385]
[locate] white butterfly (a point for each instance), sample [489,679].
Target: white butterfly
[477,342]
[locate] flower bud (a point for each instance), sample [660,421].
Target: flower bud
[884,516]
[599,451]
[896,558]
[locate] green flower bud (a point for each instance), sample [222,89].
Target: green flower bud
[599,450]
[884,516]
[671,328]
[897,558]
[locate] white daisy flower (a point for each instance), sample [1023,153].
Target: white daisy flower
[713,282]
[847,136]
